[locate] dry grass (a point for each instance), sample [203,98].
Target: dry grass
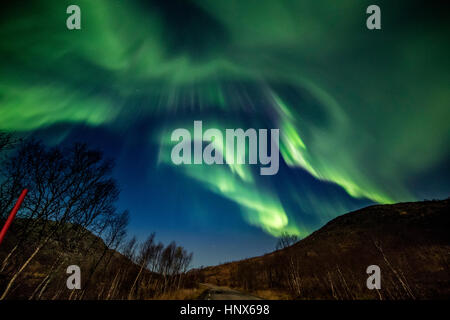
[272,295]
[409,241]
[182,294]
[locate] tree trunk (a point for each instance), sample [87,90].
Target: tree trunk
[135,281]
[5,261]
[16,275]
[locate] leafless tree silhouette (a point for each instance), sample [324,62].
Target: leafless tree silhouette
[70,217]
[286,240]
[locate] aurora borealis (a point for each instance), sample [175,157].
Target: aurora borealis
[363,115]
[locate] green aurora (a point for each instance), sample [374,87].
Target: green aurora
[365,110]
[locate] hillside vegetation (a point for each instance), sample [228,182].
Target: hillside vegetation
[70,217]
[410,242]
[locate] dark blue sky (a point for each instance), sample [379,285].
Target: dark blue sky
[363,114]
[163,201]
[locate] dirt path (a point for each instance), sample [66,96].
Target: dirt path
[223,293]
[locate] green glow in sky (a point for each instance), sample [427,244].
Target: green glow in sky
[367,111]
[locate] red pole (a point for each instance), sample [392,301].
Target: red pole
[12,214]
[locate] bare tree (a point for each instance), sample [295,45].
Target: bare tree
[147,252]
[115,229]
[70,211]
[70,189]
[286,240]
[7,140]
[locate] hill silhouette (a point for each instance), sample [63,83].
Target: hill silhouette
[410,243]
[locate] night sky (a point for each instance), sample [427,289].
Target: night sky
[363,115]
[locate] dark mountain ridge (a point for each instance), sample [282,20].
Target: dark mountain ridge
[410,243]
